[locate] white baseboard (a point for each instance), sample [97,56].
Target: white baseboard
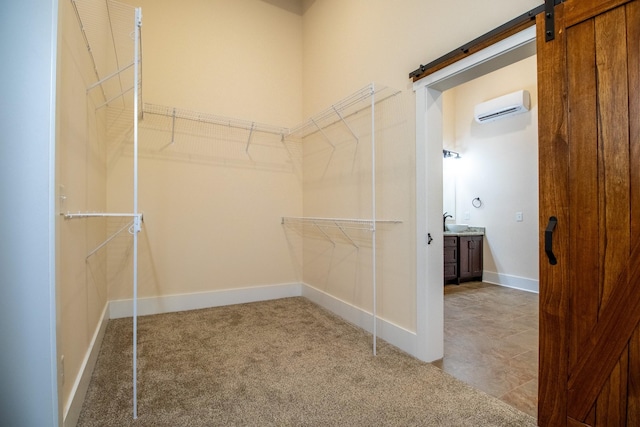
[199,300]
[516,282]
[78,392]
[395,335]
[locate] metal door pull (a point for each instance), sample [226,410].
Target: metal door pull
[548,240]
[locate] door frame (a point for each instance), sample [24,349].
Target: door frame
[429,113]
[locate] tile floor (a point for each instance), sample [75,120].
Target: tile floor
[491,341]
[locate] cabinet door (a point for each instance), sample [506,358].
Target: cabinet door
[450,258]
[470,257]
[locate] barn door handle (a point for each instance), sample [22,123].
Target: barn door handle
[548,240]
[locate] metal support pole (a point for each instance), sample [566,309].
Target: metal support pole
[136,221]
[373,213]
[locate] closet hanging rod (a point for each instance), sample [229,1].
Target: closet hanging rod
[110,76]
[69,215]
[211,119]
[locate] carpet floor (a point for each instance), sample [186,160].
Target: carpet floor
[285,362]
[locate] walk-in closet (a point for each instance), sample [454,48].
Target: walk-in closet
[166,205]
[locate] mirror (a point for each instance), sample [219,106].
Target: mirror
[449,187]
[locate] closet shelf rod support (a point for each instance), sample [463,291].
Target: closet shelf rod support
[346,124]
[113,236]
[173,127]
[114,98]
[253,125]
[110,76]
[325,233]
[346,235]
[324,134]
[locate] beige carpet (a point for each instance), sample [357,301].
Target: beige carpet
[277,363]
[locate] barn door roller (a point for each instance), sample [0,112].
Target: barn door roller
[549,19]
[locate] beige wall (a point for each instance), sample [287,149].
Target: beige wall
[212,208]
[338,184]
[239,59]
[348,44]
[81,179]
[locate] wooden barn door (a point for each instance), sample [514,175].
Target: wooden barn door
[589,114]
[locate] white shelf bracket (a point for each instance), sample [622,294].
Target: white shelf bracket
[113,236]
[324,134]
[110,76]
[346,124]
[346,235]
[137,223]
[325,234]
[173,127]
[120,95]
[253,125]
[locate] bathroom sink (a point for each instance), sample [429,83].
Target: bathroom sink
[457,228]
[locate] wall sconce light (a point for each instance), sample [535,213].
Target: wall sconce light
[448,154]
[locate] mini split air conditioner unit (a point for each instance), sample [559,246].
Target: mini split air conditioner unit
[505,106]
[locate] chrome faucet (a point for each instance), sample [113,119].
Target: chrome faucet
[444,220]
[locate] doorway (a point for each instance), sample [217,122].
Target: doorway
[490,328]
[429,136]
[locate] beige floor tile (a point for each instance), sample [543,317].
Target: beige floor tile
[491,341]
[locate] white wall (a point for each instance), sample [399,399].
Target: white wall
[28,384]
[500,165]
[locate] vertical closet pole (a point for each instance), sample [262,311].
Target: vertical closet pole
[373,212]
[137,218]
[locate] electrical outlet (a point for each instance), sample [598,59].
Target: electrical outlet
[519,217]
[467,215]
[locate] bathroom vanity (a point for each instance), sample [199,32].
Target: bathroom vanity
[463,255]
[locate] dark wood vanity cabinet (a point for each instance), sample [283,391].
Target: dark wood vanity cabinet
[450,258]
[470,254]
[462,258]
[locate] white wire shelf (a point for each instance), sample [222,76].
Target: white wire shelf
[179,113]
[341,110]
[77,215]
[344,223]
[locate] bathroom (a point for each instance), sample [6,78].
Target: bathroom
[493,183]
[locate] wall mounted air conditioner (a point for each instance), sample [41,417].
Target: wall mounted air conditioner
[505,106]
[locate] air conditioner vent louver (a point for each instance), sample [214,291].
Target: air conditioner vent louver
[504,106]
